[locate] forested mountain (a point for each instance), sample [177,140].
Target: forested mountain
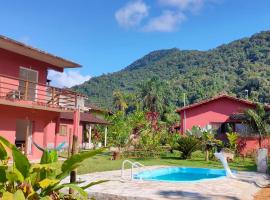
[235,67]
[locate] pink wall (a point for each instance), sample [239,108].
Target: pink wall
[10,63]
[249,145]
[217,111]
[40,119]
[10,66]
[61,138]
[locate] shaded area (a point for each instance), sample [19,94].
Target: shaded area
[170,194]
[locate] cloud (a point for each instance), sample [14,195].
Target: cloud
[67,78]
[168,21]
[132,14]
[184,5]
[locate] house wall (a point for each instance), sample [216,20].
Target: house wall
[57,138]
[10,64]
[40,119]
[249,145]
[217,111]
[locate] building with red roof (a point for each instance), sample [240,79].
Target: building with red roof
[217,113]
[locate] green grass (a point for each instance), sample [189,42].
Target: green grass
[104,163]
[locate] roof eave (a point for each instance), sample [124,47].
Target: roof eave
[26,50]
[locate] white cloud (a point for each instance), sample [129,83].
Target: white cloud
[132,14]
[67,78]
[168,21]
[184,5]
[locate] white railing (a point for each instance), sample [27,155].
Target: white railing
[133,165]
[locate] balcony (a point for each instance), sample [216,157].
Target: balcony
[22,93]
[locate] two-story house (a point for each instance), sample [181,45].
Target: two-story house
[29,108]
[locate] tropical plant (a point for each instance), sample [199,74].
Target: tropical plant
[210,144]
[149,141]
[119,101]
[38,181]
[120,131]
[172,140]
[187,145]
[258,119]
[195,131]
[232,138]
[155,95]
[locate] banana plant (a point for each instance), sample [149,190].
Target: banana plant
[39,181]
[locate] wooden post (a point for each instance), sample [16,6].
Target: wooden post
[26,90]
[74,150]
[105,139]
[53,95]
[90,135]
[26,139]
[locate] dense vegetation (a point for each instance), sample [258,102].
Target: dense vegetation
[235,67]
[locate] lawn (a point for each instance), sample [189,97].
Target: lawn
[104,163]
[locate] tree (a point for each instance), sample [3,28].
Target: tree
[119,101]
[259,121]
[152,95]
[119,131]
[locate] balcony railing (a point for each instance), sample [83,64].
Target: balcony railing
[19,90]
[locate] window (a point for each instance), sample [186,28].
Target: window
[62,129]
[27,83]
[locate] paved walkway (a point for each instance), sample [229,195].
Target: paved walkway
[242,188]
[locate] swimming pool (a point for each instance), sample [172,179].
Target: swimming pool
[180,174]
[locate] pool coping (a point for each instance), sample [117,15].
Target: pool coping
[243,188]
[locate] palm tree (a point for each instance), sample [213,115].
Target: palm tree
[259,121]
[119,101]
[153,95]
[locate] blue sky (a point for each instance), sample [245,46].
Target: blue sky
[107,35]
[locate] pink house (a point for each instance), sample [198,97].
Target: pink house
[31,110]
[217,113]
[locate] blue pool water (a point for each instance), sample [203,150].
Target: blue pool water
[180,174]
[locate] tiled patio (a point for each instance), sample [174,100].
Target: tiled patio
[244,187]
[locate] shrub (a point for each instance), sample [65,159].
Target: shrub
[149,141]
[187,145]
[173,141]
[232,138]
[38,181]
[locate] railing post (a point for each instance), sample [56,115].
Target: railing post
[76,101]
[53,94]
[26,90]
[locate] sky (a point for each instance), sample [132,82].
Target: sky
[105,36]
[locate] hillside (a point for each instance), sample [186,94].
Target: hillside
[235,67]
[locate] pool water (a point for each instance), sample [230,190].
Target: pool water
[180,174]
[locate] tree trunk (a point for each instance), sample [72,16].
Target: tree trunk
[207,155]
[260,141]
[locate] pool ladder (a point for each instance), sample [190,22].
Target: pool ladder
[133,165]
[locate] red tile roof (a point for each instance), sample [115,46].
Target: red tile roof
[219,97]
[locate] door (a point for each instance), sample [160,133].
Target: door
[23,140]
[28,83]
